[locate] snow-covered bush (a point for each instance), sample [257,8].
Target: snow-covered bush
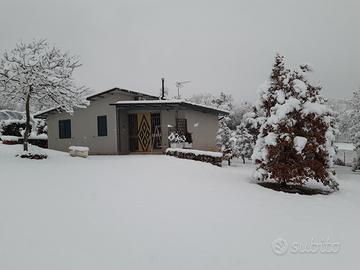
[350,122]
[252,121]
[12,131]
[13,127]
[339,162]
[34,152]
[224,139]
[41,127]
[296,141]
[356,162]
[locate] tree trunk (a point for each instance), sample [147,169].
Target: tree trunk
[27,125]
[229,162]
[243,158]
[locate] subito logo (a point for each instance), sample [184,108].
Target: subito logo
[280,246]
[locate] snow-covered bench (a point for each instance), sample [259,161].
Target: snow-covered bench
[79,151]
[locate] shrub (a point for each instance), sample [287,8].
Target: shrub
[339,162]
[12,127]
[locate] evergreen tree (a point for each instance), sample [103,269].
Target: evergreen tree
[224,141]
[242,143]
[273,91]
[295,143]
[270,92]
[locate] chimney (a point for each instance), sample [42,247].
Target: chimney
[162,88]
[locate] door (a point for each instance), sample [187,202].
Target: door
[144,131]
[133,133]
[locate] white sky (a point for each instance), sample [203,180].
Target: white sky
[218,45]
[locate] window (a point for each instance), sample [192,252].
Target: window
[102,125]
[181,126]
[65,129]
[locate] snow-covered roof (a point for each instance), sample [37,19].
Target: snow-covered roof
[44,113]
[153,101]
[116,89]
[168,103]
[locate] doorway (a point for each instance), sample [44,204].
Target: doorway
[144,132]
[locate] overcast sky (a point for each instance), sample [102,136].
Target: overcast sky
[217,45]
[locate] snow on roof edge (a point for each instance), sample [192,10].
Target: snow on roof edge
[38,114]
[118,89]
[169,101]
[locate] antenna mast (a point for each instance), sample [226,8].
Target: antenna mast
[180,85]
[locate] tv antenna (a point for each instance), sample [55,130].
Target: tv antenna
[180,85]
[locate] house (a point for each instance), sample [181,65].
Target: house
[119,121]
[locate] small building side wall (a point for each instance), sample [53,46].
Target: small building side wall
[204,128]
[84,126]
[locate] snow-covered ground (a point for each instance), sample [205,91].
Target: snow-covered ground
[159,212]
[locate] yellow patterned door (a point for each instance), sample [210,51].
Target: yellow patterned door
[144,131]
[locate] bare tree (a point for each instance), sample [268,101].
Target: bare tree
[37,75]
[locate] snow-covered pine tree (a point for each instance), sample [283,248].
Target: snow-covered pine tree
[268,96]
[272,92]
[242,143]
[36,75]
[317,125]
[224,139]
[356,162]
[295,143]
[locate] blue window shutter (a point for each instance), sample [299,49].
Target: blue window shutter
[102,125]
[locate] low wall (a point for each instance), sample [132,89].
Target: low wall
[214,158]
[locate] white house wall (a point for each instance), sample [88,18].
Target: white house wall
[203,127]
[84,130]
